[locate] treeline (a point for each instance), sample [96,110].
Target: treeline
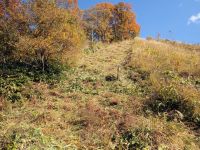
[44,31]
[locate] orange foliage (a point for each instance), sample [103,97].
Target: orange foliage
[12,23]
[98,20]
[41,31]
[125,22]
[104,19]
[107,22]
[55,34]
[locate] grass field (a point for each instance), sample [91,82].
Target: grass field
[131,95]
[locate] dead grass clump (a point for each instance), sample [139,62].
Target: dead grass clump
[191,99]
[99,125]
[94,114]
[96,125]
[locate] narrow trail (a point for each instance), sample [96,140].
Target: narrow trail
[108,58]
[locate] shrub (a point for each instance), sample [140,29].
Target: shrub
[38,40]
[149,38]
[166,99]
[139,138]
[178,102]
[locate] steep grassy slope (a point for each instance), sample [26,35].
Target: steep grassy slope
[128,95]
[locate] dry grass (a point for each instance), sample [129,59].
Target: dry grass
[85,111]
[155,56]
[190,47]
[173,74]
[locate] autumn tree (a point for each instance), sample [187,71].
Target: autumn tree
[107,22]
[124,25]
[39,31]
[53,34]
[98,21]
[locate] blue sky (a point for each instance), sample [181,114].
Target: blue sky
[173,19]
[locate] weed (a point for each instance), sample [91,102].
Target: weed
[139,138]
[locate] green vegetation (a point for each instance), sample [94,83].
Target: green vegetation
[17,76]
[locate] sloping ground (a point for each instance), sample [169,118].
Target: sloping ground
[107,58]
[93,109]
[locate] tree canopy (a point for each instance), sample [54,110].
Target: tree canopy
[42,32]
[107,22]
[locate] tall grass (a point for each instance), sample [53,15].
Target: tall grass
[174,72]
[155,56]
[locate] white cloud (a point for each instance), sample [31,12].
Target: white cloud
[194,19]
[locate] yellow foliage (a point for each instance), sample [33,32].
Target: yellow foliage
[54,35]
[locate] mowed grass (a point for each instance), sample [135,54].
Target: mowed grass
[150,102]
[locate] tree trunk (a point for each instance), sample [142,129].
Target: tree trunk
[43,63]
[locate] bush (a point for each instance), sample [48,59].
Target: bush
[166,99]
[139,138]
[176,102]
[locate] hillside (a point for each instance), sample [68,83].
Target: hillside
[135,94]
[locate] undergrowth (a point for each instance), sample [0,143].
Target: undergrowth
[16,76]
